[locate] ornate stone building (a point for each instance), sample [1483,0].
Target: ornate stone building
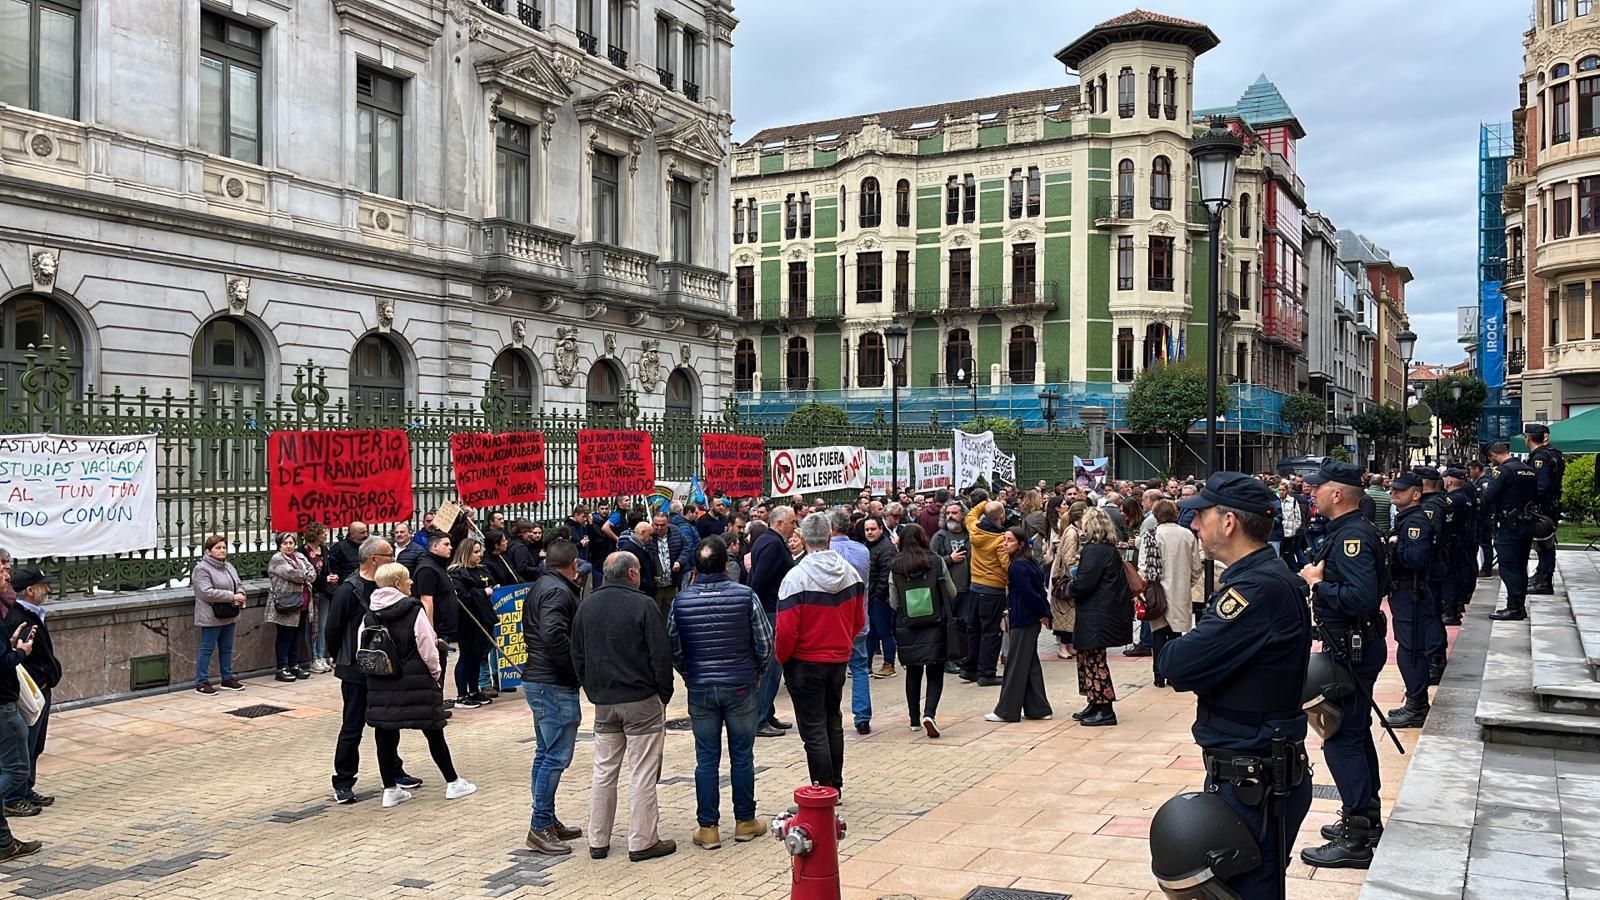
[1552,217]
[410,193]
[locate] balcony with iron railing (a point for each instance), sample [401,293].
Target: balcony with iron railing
[786,383]
[691,90]
[798,309]
[526,12]
[617,55]
[1512,270]
[984,378]
[1028,295]
[668,79]
[590,43]
[1113,210]
[1515,360]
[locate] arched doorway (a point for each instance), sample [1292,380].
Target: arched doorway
[377,374]
[519,381]
[227,361]
[603,390]
[28,319]
[744,365]
[683,395]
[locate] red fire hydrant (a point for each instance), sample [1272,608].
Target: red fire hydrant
[811,831]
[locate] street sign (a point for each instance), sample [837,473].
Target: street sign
[1420,413]
[1447,430]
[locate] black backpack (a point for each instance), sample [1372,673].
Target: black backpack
[377,655]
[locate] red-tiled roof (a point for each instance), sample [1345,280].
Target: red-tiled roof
[1141,17]
[903,119]
[1138,25]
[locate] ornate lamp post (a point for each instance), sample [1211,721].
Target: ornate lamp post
[968,372]
[1049,397]
[895,342]
[1216,154]
[1407,339]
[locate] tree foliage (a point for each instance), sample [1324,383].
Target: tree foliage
[1383,425]
[1168,400]
[1340,453]
[814,416]
[1000,425]
[1307,414]
[1578,499]
[1461,415]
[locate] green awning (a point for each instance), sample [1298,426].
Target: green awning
[1579,434]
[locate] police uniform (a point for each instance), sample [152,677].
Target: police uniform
[1485,528]
[1411,548]
[1246,660]
[1513,491]
[1548,466]
[1441,511]
[1348,607]
[1465,542]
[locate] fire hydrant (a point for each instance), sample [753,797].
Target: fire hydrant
[811,831]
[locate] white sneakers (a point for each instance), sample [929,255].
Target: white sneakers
[459,788]
[394,796]
[992,717]
[320,666]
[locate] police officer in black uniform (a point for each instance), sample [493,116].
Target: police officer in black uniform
[1485,523]
[1512,498]
[1548,466]
[1348,576]
[1464,498]
[1411,548]
[1246,661]
[1441,511]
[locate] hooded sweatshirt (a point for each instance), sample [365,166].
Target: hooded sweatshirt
[385,597]
[821,608]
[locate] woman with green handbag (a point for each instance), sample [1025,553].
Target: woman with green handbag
[922,596]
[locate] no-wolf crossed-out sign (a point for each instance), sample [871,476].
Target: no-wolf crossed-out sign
[808,469]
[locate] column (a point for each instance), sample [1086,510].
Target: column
[630,32]
[675,51]
[702,43]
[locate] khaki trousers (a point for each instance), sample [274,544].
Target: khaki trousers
[635,731]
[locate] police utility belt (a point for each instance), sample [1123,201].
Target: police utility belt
[1251,775]
[1354,636]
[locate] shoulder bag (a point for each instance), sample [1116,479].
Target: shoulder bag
[30,700]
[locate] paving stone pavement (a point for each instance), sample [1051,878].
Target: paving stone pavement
[170,796]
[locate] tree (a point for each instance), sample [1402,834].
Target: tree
[1340,453]
[1168,400]
[1000,425]
[812,420]
[1461,415]
[1382,425]
[1306,413]
[1578,500]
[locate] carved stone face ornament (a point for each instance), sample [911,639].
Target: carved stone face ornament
[650,366]
[43,264]
[567,354]
[238,295]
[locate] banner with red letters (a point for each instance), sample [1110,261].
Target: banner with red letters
[615,463]
[735,464]
[499,469]
[337,477]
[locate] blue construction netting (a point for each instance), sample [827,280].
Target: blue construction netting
[1253,409]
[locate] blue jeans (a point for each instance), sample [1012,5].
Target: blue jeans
[220,639]
[882,634]
[15,759]
[556,715]
[768,691]
[710,708]
[860,689]
[37,732]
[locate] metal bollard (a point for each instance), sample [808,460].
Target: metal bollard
[811,830]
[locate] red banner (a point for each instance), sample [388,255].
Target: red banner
[614,463]
[735,464]
[499,469]
[338,477]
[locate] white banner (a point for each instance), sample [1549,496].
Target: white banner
[1005,468]
[880,473]
[62,495]
[807,469]
[934,469]
[974,457]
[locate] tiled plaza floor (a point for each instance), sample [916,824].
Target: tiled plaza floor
[170,796]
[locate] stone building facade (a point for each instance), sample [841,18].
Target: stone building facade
[411,194]
[1340,334]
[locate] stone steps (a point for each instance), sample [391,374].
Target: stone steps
[1583,598]
[1562,678]
[1538,687]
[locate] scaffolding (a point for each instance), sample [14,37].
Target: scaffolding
[1496,147]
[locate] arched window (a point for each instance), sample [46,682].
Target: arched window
[29,319]
[798,364]
[1125,189]
[682,396]
[1161,183]
[869,360]
[603,390]
[902,203]
[1589,64]
[744,366]
[1023,355]
[844,210]
[1560,70]
[1244,215]
[377,374]
[958,362]
[871,203]
[517,380]
[227,360]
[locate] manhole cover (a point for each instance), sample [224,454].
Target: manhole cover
[1325,792]
[683,724]
[1012,894]
[257,711]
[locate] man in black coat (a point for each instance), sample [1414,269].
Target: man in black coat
[343,626]
[345,556]
[641,544]
[520,554]
[32,587]
[770,560]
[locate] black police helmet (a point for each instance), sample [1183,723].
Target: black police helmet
[1327,683]
[1197,843]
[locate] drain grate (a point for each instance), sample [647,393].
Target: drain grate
[1012,894]
[1325,792]
[257,711]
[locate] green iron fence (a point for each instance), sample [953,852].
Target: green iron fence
[211,454]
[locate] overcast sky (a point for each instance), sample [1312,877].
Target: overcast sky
[1390,95]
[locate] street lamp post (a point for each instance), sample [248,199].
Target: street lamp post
[968,371]
[1407,339]
[1215,153]
[1048,398]
[895,340]
[1456,390]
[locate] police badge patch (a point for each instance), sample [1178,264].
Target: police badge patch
[1414,533]
[1232,604]
[1352,547]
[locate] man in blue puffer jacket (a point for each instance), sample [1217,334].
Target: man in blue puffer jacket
[721,642]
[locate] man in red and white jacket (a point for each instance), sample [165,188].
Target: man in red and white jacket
[822,606]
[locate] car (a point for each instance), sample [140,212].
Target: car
[1299,465]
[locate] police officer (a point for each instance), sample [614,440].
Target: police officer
[1348,576]
[1548,466]
[1485,523]
[1411,548]
[1246,660]
[1512,499]
[1441,511]
[1464,499]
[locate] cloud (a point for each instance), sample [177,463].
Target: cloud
[1391,96]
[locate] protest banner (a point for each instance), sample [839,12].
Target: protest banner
[338,477]
[1005,468]
[974,458]
[63,495]
[444,518]
[879,470]
[1090,471]
[615,463]
[806,469]
[934,469]
[734,464]
[499,469]
[510,651]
